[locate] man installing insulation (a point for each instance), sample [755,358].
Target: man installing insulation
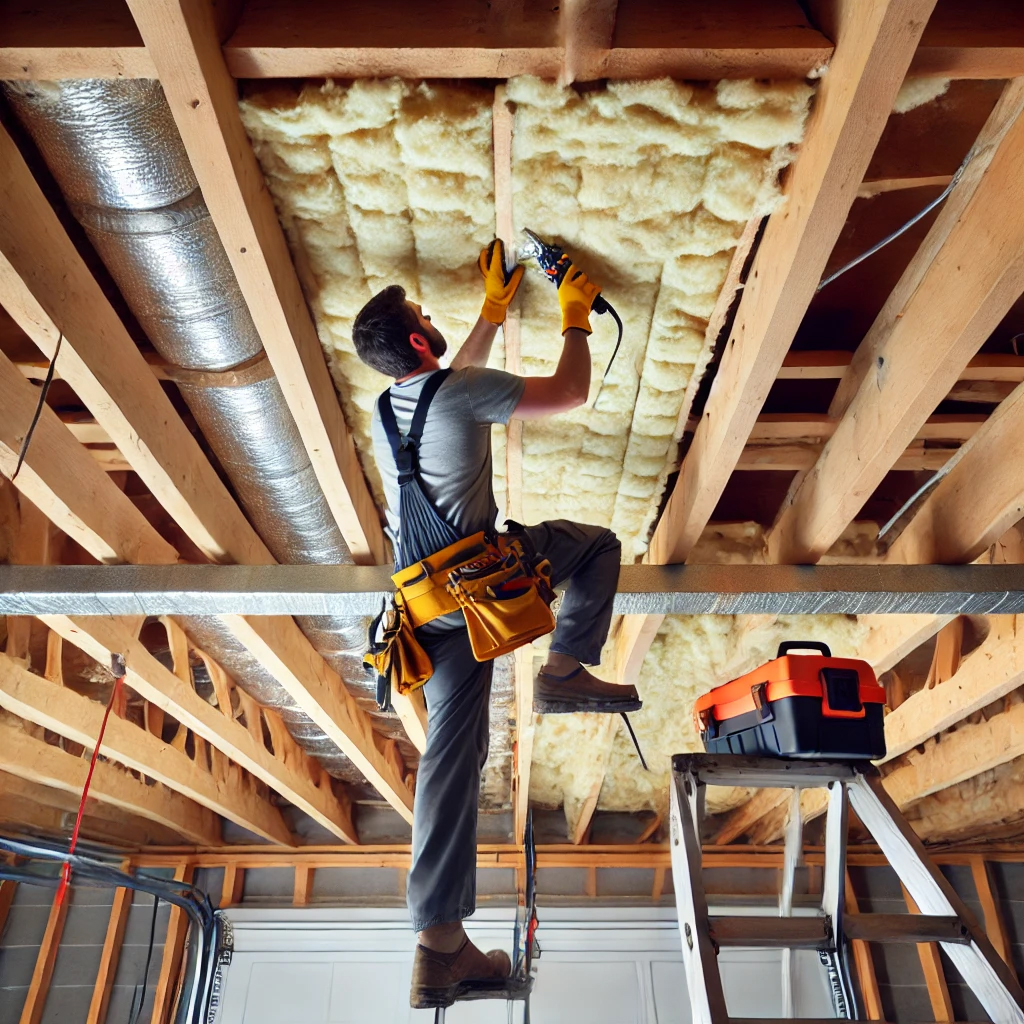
[432,443]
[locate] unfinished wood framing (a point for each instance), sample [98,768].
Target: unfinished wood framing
[174,947]
[588,30]
[183,42]
[288,770]
[37,761]
[993,919]
[862,962]
[42,973]
[110,956]
[931,965]
[228,793]
[978,500]
[873,50]
[962,281]
[48,290]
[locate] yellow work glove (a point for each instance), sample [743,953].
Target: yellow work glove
[576,296]
[500,289]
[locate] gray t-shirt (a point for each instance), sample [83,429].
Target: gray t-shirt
[455,450]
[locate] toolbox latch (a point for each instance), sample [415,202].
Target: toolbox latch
[759,695]
[707,723]
[841,693]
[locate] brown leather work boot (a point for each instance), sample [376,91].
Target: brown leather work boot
[580,691]
[438,979]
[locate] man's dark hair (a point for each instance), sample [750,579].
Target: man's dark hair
[381,333]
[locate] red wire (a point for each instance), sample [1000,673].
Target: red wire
[65,874]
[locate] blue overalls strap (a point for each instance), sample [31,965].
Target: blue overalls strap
[423,530]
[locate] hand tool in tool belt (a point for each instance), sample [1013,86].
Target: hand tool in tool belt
[498,582]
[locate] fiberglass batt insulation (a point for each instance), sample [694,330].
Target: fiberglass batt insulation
[381,182]
[649,185]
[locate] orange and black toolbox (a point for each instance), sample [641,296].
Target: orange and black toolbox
[797,705]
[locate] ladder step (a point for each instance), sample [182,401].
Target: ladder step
[772,932]
[905,928]
[815,932]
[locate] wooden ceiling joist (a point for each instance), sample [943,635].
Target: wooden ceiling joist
[980,498]
[30,805]
[48,290]
[37,761]
[874,48]
[182,39]
[964,278]
[286,770]
[230,794]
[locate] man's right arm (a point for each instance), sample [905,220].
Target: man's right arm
[566,389]
[569,386]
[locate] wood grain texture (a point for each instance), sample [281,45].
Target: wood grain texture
[182,39]
[873,50]
[42,973]
[110,956]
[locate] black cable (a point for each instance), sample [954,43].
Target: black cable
[609,308]
[136,1010]
[39,407]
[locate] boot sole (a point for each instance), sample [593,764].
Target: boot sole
[481,988]
[569,707]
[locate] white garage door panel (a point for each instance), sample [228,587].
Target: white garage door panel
[598,993]
[287,992]
[668,980]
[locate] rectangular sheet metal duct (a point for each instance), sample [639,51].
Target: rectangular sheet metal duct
[643,589]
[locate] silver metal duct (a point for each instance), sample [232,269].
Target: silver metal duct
[115,152]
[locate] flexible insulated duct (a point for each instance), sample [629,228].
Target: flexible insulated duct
[116,155]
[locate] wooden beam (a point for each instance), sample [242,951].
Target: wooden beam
[181,37]
[988,673]
[980,498]
[170,964]
[52,811]
[965,40]
[112,942]
[231,888]
[61,479]
[48,289]
[944,307]
[34,759]
[863,963]
[280,647]
[588,30]
[302,886]
[799,456]
[993,918]
[42,973]
[875,43]
[870,189]
[291,774]
[59,709]
[832,365]
[931,964]
[8,889]
[739,821]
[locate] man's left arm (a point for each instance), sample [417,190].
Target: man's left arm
[499,291]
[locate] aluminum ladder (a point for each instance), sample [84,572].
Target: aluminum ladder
[943,917]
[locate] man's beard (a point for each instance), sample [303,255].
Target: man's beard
[438,345]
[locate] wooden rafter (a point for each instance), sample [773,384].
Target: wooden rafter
[967,273]
[931,965]
[36,760]
[588,31]
[174,947]
[64,482]
[874,46]
[40,808]
[980,498]
[61,710]
[48,290]
[182,39]
[286,769]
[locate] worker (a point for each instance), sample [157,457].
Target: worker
[394,336]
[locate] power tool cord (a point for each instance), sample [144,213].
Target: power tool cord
[618,341]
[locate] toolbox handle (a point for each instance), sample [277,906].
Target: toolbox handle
[803,645]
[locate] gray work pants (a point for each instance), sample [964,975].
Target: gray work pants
[442,878]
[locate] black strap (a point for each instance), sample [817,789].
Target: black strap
[406,449]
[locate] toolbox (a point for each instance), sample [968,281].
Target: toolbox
[797,705]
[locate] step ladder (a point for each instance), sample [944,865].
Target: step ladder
[943,918]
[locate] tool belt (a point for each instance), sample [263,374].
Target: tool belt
[503,591]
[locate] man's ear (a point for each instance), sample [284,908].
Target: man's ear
[419,343]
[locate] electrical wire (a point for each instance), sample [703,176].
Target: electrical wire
[140,990]
[39,408]
[905,227]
